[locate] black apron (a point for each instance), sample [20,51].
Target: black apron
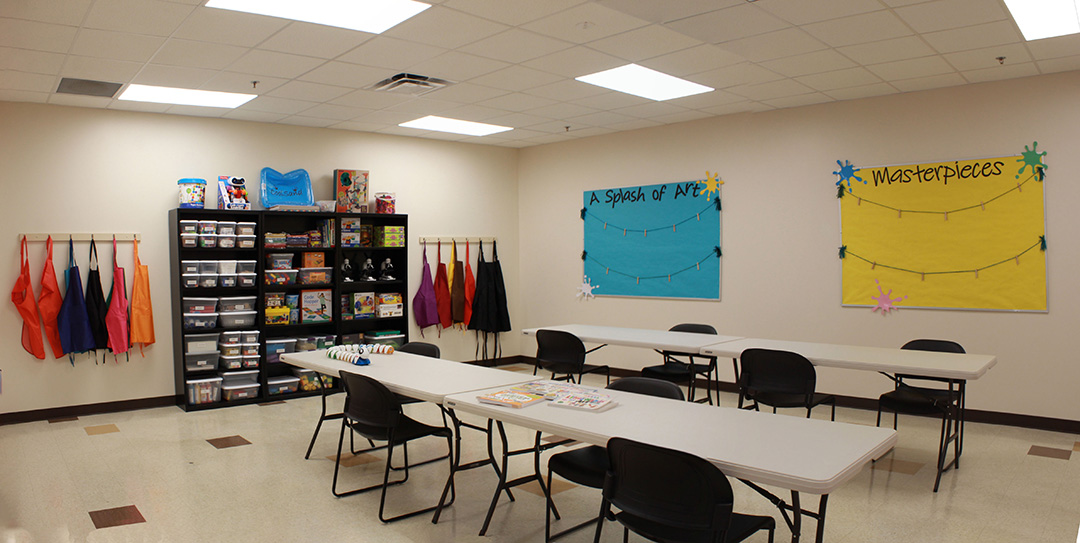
[489,312]
[96,307]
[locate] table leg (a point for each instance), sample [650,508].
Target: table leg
[794,521]
[505,485]
[456,465]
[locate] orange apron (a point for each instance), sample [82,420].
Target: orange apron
[49,301]
[142,312]
[22,295]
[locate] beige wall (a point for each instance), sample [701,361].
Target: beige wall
[82,170]
[780,271]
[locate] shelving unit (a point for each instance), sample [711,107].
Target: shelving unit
[289,222]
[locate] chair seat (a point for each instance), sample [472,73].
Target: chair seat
[668,372]
[741,527]
[916,400]
[407,430]
[585,466]
[776,399]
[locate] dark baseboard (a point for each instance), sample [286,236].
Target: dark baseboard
[87,409]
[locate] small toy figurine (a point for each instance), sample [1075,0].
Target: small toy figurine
[367,271]
[387,269]
[346,271]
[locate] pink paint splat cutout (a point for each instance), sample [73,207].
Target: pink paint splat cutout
[885,300]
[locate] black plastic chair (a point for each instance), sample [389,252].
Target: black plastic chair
[779,379]
[946,402]
[563,354]
[672,496]
[374,412]
[421,348]
[586,466]
[677,370]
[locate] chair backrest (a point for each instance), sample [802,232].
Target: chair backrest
[369,403]
[784,372]
[649,387]
[668,487]
[558,347]
[420,348]
[693,328]
[937,345]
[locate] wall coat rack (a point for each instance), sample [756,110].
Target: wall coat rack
[103,236]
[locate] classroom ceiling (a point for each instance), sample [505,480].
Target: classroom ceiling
[513,62]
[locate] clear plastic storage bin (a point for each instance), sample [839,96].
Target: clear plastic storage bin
[207,240]
[201,343]
[237,303]
[227,228]
[237,319]
[189,266]
[229,349]
[226,241]
[226,266]
[245,228]
[231,337]
[275,347]
[200,305]
[207,227]
[227,279]
[189,227]
[282,385]
[232,362]
[189,241]
[249,336]
[245,242]
[201,361]
[249,349]
[208,266]
[245,279]
[251,362]
[189,280]
[202,391]
[208,280]
[245,266]
[239,392]
[200,321]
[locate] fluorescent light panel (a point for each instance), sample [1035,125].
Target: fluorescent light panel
[374,16]
[184,97]
[643,82]
[455,126]
[1040,19]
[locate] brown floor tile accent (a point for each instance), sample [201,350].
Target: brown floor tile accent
[898,466]
[349,460]
[557,486]
[65,419]
[118,516]
[1076,446]
[103,429]
[264,404]
[226,442]
[1050,452]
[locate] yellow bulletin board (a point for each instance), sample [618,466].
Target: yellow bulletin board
[963,234]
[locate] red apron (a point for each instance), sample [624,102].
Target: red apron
[116,320]
[49,301]
[442,293]
[470,285]
[22,295]
[142,312]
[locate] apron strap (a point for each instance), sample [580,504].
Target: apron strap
[494,250]
[135,242]
[93,254]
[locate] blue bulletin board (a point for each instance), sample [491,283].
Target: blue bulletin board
[654,240]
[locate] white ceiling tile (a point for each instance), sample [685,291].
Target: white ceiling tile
[346,75]
[24,60]
[799,101]
[590,132]
[391,53]
[567,89]
[850,77]
[782,43]
[997,73]
[515,45]
[314,122]
[257,116]
[898,3]
[728,24]
[987,58]
[394,129]
[706,100]
[99,69]
[26,81]
[443,27]
[511,13]
[740,74]
[447,136]
[338,113]
[550,138]
[274,64]
[420,107]
[77,100]
[551,127]
[115,45]
[636,124]
[866,91]
[237,82]
[198,54]
[516,101]
[575,62]
[947,14]
[887,50]
[387,117]
[137,16]
[771,90]
[738,107]
[174,76]
[516,78]
[932,82]
[973,37]
[311,92]
[145,107]
[197,111]
[611,100]
[810,63]
[1061,46]
[62,12]
[663,12]
[7,95]
[1061,64]
[802,12]
[601,118]
[473,113]
[561,111]
[36,36]
[314,40]
[651,110]
[467,93]
[911,68]
[693,60]
[518,120]
[274,104]
[370,99]
[683,117]
[585,23]
[868,27]
[228,27]
[358,126]
[643,43]
[456,66]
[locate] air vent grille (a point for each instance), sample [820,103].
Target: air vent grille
[88,87]
[410,84]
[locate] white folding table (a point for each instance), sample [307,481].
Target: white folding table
[801,455]
[664,340]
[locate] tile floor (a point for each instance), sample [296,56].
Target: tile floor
[239,474]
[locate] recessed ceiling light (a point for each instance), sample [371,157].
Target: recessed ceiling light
[643,82]
[1040,19]
[374,16]
[184,97]
[455,126]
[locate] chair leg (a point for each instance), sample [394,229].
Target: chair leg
[878,424]
[943,448]
[605,508]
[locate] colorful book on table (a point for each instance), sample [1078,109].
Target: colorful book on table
[511,397]
[585,401]
[553,389]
